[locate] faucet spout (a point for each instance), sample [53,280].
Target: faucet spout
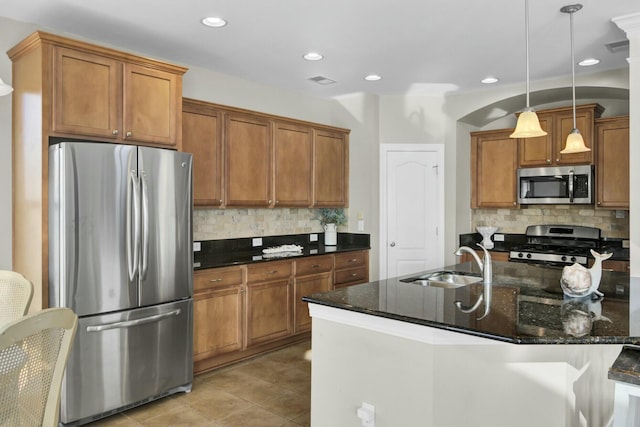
[484,266]
[487,280]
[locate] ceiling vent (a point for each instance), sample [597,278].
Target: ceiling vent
[322,80]
[615,47]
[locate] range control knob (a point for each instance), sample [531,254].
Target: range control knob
[528,255]
[520,255]
[564,258]
[573,259]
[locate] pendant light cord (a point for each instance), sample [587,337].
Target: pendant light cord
[573,71]
[526,38]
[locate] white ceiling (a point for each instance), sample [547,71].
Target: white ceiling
[418,46]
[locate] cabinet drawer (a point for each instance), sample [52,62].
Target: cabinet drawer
[350,259]
[313,265]
[351,276]
[217,278]
[269,271]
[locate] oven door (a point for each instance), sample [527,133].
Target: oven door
[556,185]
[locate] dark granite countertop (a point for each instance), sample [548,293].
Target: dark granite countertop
[626,367]
[227,252]
[528,306]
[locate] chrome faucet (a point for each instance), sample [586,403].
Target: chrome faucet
[487,280]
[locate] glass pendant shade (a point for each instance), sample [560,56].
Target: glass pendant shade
[5,89]
[528,126]
[575,143]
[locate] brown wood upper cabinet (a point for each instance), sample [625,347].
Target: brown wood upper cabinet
[612,167]
[331,169]
[247,153]
[293,164]
[250,159]
[202,137]
[101,96]
[494,160]
[558,122]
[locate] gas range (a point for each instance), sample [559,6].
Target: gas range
[557,245]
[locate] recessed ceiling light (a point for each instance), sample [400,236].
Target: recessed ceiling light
[489,80]
[214,21]
[372,77]
[589,61]
[313,56]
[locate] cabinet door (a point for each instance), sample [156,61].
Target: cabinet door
[152,106]
[217,319]
[538,151]
[612,151]
[563,126]
[494,162]
[308,285]
[202,137]
[269,311]
[293,165]
[247,151]
[331,169]
[86,94]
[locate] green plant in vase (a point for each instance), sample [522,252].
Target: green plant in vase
[330,219]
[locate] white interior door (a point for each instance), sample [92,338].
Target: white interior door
[412,209]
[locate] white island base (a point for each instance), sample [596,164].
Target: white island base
[416,375]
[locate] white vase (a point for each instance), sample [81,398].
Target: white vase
[330,235]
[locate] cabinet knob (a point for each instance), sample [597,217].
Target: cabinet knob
[599,203]
[548,161]
[114,132]
[220,201]
[215,280]
[392,244]
[128,134]
[557,160]
[269,202]
[515,203]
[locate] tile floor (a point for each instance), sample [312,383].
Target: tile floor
[273,390]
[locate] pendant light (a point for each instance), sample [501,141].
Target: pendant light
[575,143]
[5,89]
[528,125]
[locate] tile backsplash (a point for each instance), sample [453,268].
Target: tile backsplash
[212,224]
[517,220]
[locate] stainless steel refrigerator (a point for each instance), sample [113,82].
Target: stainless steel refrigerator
[120,256]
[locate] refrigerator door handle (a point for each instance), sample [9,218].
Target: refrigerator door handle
[133,204]
[129,323]
[145,226]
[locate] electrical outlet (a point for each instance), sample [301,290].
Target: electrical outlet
[256,241]
[196,246]
[313,237]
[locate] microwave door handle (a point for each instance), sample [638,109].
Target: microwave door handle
[571,186]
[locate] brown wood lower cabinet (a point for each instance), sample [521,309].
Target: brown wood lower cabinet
[351,268]
[218,312]
[312,275]
[269,299]
[245,310]
[495,256]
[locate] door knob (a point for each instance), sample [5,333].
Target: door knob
[392,244]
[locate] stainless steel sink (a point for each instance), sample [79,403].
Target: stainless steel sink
[444,279]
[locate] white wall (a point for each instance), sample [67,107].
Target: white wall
[11,32]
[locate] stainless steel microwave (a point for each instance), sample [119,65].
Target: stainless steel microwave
[556,185]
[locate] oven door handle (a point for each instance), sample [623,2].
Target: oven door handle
[571,176]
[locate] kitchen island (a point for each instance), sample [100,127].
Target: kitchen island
[537,358]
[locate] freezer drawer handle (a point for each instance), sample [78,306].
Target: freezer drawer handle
[136,322]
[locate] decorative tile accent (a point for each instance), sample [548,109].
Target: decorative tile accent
[517,220]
